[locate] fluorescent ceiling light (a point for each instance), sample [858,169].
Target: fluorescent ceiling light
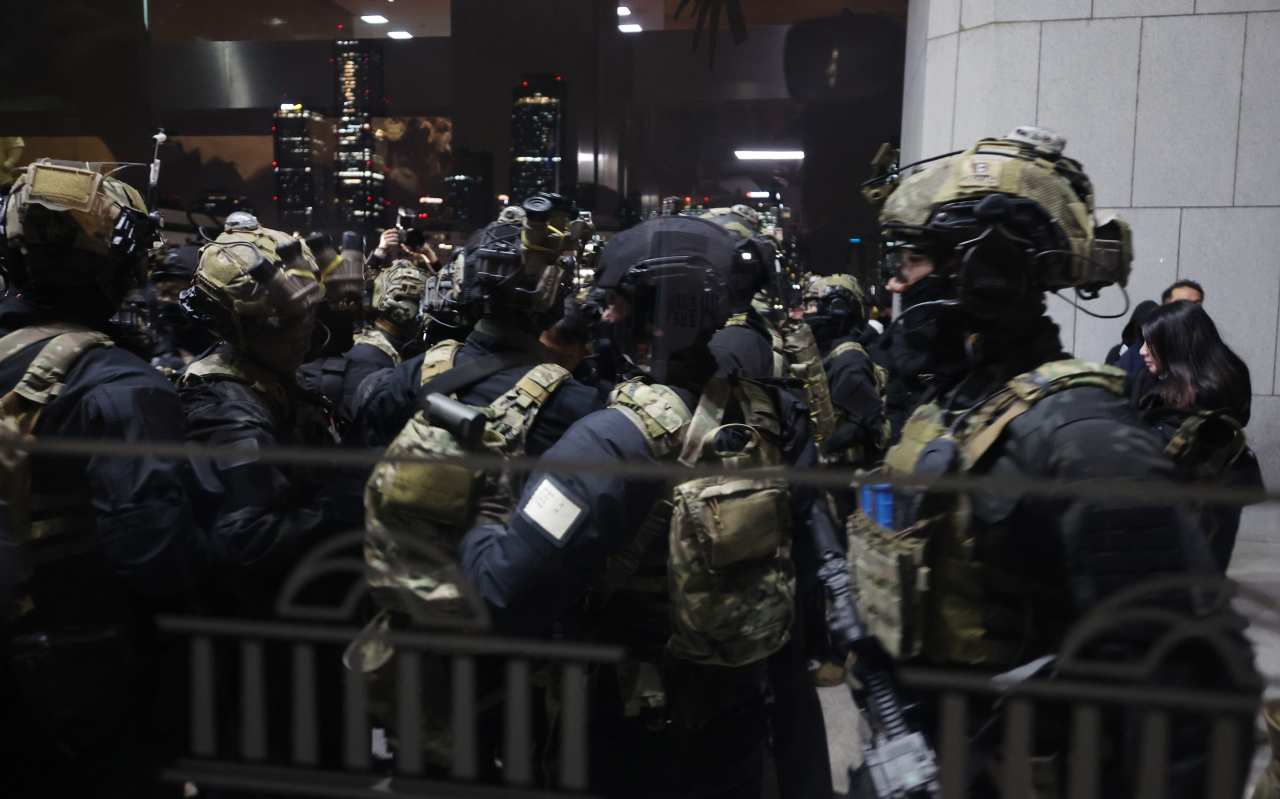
[769,155]
[630,28]
[400,34]
[623,11]
[375,19]
[759,194]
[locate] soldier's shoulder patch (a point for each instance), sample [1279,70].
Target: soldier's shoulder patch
[553,511]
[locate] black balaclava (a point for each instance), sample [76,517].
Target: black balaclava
[929,288]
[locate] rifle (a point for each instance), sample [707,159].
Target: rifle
[899,762]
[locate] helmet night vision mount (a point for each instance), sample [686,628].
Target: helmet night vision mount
[1005,219]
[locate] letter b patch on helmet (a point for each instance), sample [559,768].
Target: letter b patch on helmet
[980,173]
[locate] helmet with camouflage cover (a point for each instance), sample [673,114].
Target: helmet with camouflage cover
[1005,219]
[397,292]
[258,288]
[757,265]
[67,226]
[832,306]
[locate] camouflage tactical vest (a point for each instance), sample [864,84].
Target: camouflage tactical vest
[729,576]
[921,589]
[48,526]
[805,362]
[301,423]
[416,512]
[855,455]
[378,341]
[795,354]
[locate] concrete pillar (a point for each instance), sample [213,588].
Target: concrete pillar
[1172,107]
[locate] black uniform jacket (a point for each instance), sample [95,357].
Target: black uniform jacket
[746,348]
[530,576]
[144,518]
[391,402]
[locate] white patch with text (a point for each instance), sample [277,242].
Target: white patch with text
[551,510]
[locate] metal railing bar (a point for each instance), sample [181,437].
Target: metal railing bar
[1071,690]
[1019,745]
[1153,756]
[953,738]
[517,757]
[1158,492]
[573,727]
[1086,729]
[448,644]
[204,719]
[356,744]
[1224,762]
[306,744]
[409,712]
[253,702]
[287,780]
[463,716]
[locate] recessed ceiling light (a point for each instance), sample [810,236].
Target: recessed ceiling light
[623,11]
[770,155]
[375,19]
[400,34]
[630,28]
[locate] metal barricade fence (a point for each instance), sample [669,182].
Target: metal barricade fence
[1090,687]
[1089,694]
[1087,703]
[212,768]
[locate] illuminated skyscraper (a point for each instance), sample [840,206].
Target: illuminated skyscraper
[471,188]
[299,166]
[360,191]
[537,122]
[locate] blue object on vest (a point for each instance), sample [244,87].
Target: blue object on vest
[884,505]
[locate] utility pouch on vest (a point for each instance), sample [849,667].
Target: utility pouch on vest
[439,493]
[416,512]
[731,579]
[888,573]
[732,522]
[1206,445]
[805,362]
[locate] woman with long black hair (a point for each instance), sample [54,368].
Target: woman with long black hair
[1193,371]
[1196,370]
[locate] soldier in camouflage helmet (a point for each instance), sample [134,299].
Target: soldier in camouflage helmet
[178,337]
[508,285]
[257,289]
[101,539]
[833,310]
[746,343]
[396,332]
[1003,222]
[619,559]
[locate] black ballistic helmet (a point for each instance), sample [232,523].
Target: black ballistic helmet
[673,272]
